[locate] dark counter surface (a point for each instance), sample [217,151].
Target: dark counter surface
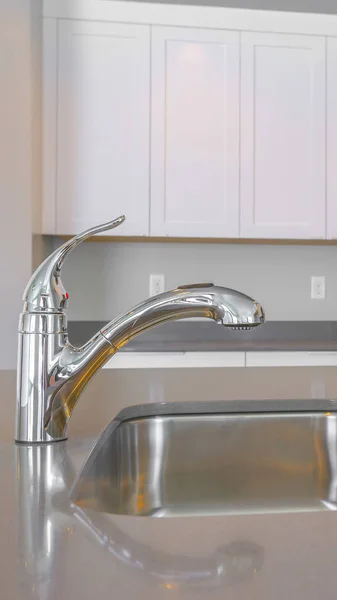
[192,336]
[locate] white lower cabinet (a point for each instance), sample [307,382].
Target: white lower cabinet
[181,360]
[291,359]
[175,360]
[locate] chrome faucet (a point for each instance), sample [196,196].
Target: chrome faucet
[52,373]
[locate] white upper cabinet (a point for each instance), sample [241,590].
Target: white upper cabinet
[102,123]
[190,132]
[332,138]
[283,158]
[195,132]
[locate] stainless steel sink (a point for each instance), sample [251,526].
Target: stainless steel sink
[214,458]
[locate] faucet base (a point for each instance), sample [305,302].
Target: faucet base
[24,443]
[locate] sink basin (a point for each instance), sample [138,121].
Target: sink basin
[214,458]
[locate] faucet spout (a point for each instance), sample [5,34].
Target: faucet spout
[78,365]
[52,373]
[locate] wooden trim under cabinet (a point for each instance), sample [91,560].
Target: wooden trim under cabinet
[177,240]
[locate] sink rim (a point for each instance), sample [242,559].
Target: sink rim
[155,409]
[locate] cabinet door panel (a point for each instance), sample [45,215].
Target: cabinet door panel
[103,126]
[195,132]
[282,136]
[332,138]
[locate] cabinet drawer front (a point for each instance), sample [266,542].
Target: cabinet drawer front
[175,360]
[195,132]
[282,136]
[291,359]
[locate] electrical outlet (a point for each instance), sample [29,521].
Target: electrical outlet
[157,284]
[318,287]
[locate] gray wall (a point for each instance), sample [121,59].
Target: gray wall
[309,6]
[313,6]
[18,159]
[104,279]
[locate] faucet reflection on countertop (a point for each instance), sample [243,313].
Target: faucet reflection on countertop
[52,373]
[49,522]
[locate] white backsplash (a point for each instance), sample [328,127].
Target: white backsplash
[104,279]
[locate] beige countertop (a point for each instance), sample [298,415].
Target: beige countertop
[111,391]
[52,549]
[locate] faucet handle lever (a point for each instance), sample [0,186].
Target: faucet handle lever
[45,291]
